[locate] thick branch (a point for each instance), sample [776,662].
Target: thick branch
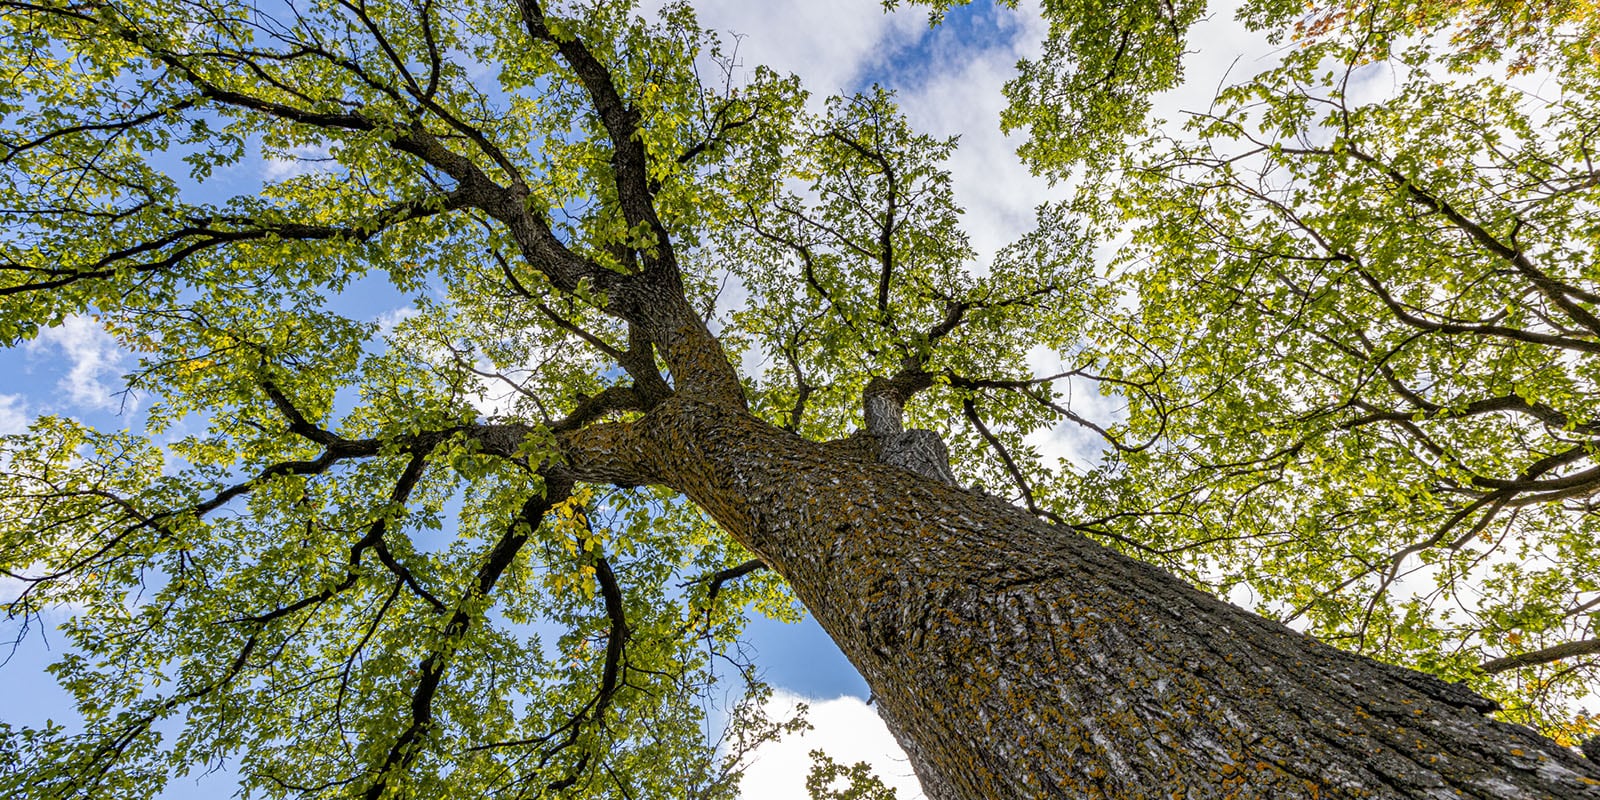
[654,300]
[1532,337]
[717,579]
[431,670]
[629,162]
[1564,296]
[1545,656]
[589,409]
[173,248]
[884,400]
[373,540]
[475,187]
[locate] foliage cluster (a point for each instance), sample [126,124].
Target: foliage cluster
[1352,320]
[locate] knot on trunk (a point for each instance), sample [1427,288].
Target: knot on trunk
[921,451]
[918,450]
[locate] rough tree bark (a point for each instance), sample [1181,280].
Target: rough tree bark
[1017,659]
[1012,659]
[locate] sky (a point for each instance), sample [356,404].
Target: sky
[948,81]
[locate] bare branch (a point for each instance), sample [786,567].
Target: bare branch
[1555,653]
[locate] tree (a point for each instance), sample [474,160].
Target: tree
[1362,332]
[275,587]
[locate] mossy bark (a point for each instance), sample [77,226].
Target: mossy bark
[1017,659]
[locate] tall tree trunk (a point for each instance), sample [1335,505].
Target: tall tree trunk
[1016,659]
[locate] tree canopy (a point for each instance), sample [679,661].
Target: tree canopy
[1360,345]
[1349,311]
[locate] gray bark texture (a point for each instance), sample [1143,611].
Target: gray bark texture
[1017,659]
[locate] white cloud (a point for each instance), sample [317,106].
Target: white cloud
[13,414]
[991,183]
[47,615]
[833,44]
[828,43]
[1221,52]
[302,159]
[391,319]
[847,729]
[1070,441]
[94,357]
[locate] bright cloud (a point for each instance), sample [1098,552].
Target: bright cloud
[94,358]
[828,43]
[833,44]
[298,160]
[847,729]
[13,414]
[391,319]
[965,97]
